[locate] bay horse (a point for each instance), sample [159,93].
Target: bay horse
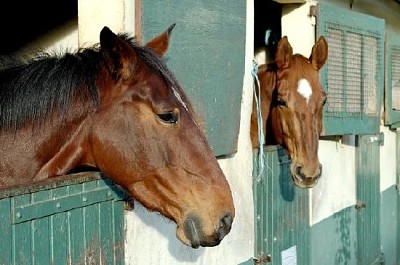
[115,107]
[291,104]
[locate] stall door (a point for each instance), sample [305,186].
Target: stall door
[68,223]
[282,232]
[368,200]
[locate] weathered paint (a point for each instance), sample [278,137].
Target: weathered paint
[79,220]
[281,209]
[207,56]
[368,200]
[333,240]
[389,225]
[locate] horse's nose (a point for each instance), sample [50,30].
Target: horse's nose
[224,226]
[304,180]
[194,231]
[303,176]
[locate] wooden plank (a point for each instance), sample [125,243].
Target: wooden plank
[106,231]
[92,237]
[282,210]
[22,243]
[87,226]
[76,236]
[32,211]
[59,238]
[369,198]
[67,180]
[118,232]
[40,196]
[5,232]
[41,241]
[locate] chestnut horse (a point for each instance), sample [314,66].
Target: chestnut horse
[291,105]
[117,108]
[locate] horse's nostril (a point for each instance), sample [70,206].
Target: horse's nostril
[224,226]
[298,169]
[298,172]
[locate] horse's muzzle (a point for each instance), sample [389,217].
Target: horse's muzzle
[195,233]
[302,180]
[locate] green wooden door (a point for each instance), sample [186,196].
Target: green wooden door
[71,223]
[396,258]
[368,200]
[206,54]
[282,231]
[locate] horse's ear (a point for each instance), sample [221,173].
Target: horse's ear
[120,57]
[319,53]
[160,43]
[283,53]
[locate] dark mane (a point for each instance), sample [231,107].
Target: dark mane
[47,83]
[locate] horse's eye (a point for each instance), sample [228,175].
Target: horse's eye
[169,117]
[281,103]
[324,101]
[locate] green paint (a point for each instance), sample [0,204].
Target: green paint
[334,239]
[368,192]
[206,54]
[5,232]
[281,209]
[392,116]
[389,225]
[354,73]
[90,230]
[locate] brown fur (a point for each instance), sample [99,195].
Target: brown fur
[131,136]
[288,119]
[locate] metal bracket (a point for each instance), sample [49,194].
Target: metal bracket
[262,258]
[360,205]
[380,138]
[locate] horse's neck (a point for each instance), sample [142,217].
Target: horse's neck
[42,151]
[267,79]
[270,86]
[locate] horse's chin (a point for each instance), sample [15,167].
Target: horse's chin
[195,240]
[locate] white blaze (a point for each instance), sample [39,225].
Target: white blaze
[304,89]
[179,98]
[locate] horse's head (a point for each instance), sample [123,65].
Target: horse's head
[145,137]
[296,109]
